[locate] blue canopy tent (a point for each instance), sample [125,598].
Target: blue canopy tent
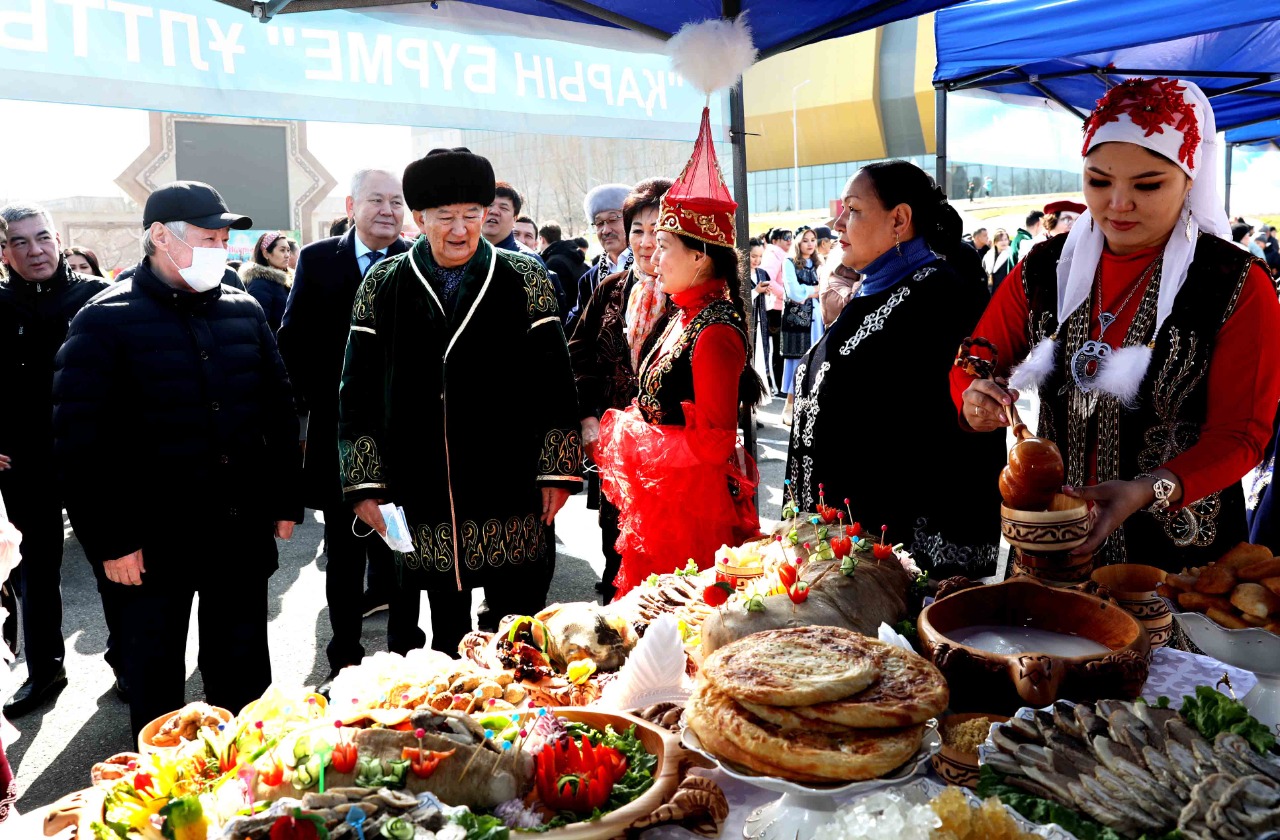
[778,27]
[1072,52]
[1259,133]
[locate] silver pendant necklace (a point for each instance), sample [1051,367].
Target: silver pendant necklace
[1088,361]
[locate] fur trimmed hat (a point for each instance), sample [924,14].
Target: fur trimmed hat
[603,198]
[449,176]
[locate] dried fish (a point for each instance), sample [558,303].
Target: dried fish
[1138,769]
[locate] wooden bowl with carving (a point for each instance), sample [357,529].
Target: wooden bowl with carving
[981,680]
[1064,526]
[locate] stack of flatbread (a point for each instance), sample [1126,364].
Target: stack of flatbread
[815,704]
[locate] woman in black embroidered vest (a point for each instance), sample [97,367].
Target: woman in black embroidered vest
[1149,338]
[671,462]
[872,421]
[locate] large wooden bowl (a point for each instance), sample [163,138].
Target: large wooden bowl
[651,808]
[1001,683]
[1064,526]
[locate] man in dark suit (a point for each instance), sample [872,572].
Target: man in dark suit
[313,339]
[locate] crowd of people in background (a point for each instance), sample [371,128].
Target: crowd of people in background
[221,399]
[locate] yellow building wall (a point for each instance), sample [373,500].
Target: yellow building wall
[838,111]
[926,61]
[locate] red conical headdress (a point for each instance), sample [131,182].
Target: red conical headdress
[698,203]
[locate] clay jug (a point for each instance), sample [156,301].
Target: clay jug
[1035,472]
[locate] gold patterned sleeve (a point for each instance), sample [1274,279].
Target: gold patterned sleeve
[361,399]
[555,415]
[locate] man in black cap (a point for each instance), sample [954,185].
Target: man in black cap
[458,406]
[177,437]
[37,301]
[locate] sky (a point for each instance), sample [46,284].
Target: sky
[59,165]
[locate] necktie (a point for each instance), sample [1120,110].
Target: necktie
[374,257]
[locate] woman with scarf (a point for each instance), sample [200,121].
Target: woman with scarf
[1144,332]
[609,339]
[671,462]
[873,423]
[801,317]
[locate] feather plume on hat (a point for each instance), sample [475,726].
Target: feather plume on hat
[711,55]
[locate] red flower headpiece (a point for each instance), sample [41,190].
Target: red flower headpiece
[1150,104]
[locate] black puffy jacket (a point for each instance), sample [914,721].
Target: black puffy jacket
[33,324]
[173,418]
[269,287]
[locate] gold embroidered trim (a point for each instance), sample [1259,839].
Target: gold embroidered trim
[1196,523]
[365,486]
[561,453]
[362,307]
[1102,409]
[538,291]
[1235,296]
[709,231]
[361,464]
[655,369]
[493,543]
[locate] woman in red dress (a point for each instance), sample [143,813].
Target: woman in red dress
[1149,337]
[671,462]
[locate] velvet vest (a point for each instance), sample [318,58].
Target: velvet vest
[666,381]
[1170,409]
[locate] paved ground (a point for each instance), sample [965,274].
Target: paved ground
[59,743]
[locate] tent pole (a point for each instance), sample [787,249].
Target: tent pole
[742,226]
[1231,147]
[940,137]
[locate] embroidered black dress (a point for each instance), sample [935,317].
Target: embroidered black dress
[874,424]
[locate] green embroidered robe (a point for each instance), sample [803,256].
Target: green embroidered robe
[460,418]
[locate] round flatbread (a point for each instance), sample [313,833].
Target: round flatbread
[729,730]
[910,691]
[786,718]
[796,666]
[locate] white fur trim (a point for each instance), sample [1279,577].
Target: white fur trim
[1036,368]
[1122,373]
[713,53]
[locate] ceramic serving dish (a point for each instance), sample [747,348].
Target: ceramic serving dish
[1064,526]
[1001,683]
[1252,649]
[1133,585]
[953,766]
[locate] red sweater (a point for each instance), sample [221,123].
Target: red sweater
[718,359]
[1244,373]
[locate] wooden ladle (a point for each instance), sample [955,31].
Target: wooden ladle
[1036,472]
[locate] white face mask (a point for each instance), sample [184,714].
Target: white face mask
[208,267]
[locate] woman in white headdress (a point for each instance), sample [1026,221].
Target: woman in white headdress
[1149,337]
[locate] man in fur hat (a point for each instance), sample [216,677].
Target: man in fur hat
[457,404]
[603,208]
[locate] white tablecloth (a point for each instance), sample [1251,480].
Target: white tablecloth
[1174,673]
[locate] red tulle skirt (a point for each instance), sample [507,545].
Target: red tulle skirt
[683,491]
